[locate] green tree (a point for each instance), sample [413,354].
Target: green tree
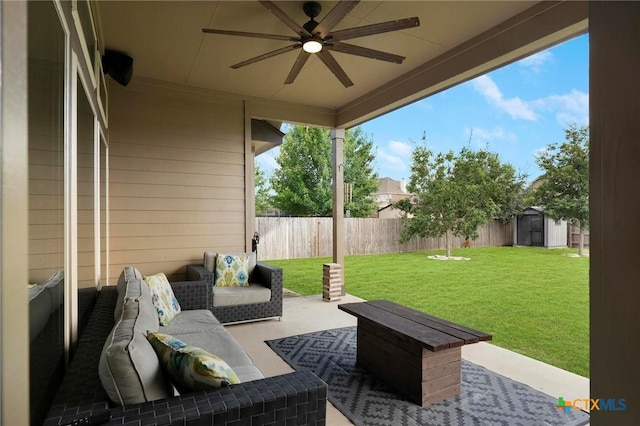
[303,183]
[564,187]
[262,196]
[455,194]
[359,174]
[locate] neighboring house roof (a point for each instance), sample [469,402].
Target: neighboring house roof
[389,191]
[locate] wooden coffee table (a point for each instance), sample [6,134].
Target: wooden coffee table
[416,353]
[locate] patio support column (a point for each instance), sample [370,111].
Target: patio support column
[614,82]
[14,253]
[337,141]
[249,179]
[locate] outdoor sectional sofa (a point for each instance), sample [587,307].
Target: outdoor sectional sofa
[297,398]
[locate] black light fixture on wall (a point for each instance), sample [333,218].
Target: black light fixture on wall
[118,65]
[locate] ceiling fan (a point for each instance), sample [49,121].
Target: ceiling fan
[319,39]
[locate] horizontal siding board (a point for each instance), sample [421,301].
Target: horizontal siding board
[216,142]
[46,217]
[169,217]
[215,230]
[48,172]
[177,204]
[51,203]
[173,166]
[184,255]
[161,242]
[145,191]
[46,246]
[146,152]
[45,232]
[177,123]
[177,179]
[46,261]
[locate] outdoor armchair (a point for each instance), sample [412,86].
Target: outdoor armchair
[261,300]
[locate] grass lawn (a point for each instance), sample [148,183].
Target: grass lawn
[533,301]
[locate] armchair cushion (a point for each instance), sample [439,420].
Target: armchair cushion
[232,296]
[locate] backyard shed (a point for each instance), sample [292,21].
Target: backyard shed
[534,228]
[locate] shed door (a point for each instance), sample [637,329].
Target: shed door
[531,230]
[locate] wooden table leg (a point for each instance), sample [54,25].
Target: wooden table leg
[423,376]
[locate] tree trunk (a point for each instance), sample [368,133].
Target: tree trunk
[581,244]
[447,242]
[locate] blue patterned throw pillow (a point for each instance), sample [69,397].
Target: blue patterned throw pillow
[189,367]
[232,270]
[163,298]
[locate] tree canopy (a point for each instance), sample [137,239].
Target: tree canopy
[303,183]
[262,197]
[455,194]
[564,186]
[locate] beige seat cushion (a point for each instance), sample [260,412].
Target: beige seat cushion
[219,342]
[232,296]
[192,321]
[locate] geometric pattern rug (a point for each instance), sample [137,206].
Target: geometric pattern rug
[486,398]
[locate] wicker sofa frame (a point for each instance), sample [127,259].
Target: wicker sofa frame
[297,398]
[264,274]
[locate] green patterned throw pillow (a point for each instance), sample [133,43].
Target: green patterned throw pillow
[232,270]
[163,298]
[190,368]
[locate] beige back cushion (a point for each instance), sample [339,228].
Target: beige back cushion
[129,368]
[128,273]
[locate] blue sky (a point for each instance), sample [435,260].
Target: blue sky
[515,111]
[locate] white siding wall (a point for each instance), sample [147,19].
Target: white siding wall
[177,185]
[555,233]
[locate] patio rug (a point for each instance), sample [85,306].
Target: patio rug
[486,398]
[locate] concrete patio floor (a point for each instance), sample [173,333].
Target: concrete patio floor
[309,314]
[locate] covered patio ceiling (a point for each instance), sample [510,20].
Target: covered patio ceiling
[455,41]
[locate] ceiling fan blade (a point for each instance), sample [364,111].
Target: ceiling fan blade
[365,52]
[366,30]
[246,34]
[334,16]
[335,68]
[271,7]
[297,66]
[266,56]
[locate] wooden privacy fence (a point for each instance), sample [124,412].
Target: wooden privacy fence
[573,236]
[304,237]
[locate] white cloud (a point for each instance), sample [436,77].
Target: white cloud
[403,149]
[569,108]
[540,151]
[394,157]
[535,62]
[390,161]
[481,137]
[515,107]
[267,162]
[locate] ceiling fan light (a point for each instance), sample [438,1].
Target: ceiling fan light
[312,46]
